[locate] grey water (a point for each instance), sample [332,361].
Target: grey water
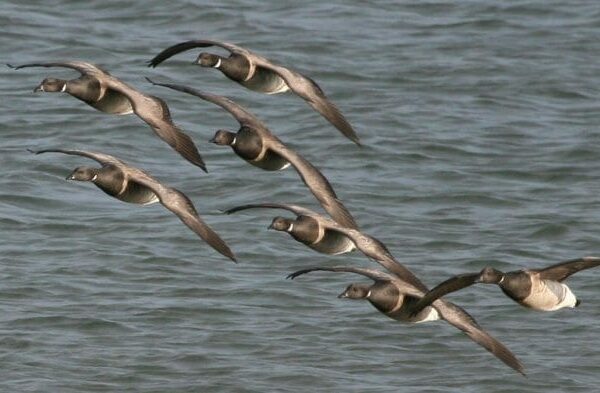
[479,121]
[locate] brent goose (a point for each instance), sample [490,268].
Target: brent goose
[395,298]
[538,289]
[108,94]
[255,143]
[328,237]
[130,184]
[260,74]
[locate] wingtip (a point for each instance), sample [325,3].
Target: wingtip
[11,66]
[150,80]
[199,163]
[32,151]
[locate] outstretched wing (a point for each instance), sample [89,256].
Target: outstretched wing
[308,89]
[81,66]
[561,271]
[460,319]
[155,112]
[376,250]
[103,159]
[241,115]
[178,203]
[316,183]
[452,284]
[183,46]
[297,210]
[373,274]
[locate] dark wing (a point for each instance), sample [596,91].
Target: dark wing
[316,183]
[460,319]
[81,66]
[155,112]
[450,285]
[561,271]
[373,274]
[103,159]
[178,203]
[297,210]
[376,250]
[308,89]
[183,46]
[450,312]
[241,114]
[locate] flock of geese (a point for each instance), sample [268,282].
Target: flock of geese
[396,292]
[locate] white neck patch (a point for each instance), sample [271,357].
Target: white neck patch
[291,227]
[502,279]
[218,64]
[368,294]
[64,88]
[95,177]
[233,141]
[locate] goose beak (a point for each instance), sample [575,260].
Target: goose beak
[70,177]
[212,140]
[39,87]
[270,226]
[343,295]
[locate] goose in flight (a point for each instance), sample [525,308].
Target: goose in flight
[538,289]
[260,74]
[395,297]
[108,94]
[130,184]
[255,143]
[328,237]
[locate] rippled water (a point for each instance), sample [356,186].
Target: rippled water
[480,125]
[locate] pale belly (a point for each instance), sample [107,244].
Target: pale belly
[271,162]
[114,103]
[265,81]
[550,296]
[403,312]
[137,194]
[333,243]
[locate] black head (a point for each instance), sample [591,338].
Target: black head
[489,275]
[223,138]
[356,291]
[208,60]
[83,173]
[282,224]
[51,85]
